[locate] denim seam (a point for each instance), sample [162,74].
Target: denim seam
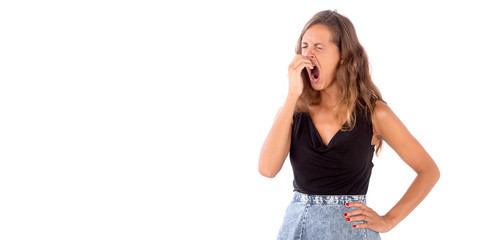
[303,221]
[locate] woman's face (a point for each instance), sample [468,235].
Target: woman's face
[324,54]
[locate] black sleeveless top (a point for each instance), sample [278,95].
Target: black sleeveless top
[341,168]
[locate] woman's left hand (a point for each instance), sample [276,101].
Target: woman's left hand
[373,221]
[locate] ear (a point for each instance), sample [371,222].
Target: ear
[341,60]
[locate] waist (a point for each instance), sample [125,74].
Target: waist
[327,199]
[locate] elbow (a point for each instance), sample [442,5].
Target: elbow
[436,174]
[432,173]
[267,171]
[268,174]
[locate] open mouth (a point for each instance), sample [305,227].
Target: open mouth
[314,73]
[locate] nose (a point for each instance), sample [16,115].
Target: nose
[309,53]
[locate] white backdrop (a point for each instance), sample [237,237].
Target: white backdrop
[145,120]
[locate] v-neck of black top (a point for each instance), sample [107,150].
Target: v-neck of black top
[317,139]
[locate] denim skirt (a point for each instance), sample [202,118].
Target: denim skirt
[321,217]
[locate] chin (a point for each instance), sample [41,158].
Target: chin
[317,86]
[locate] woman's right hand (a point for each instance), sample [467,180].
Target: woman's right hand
[295,86]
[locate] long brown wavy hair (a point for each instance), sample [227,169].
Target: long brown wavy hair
[353,76]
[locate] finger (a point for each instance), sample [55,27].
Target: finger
[356,204]
[353,213]
[358,218]
[303,63]
[359,211]
[297,59]
[300,56]
[364,225]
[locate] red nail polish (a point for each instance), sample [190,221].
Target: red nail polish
[354,226]
[348,204]
[348,219]
[344,214]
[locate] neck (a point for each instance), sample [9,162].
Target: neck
[330,96]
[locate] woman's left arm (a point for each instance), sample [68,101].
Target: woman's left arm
[388,127]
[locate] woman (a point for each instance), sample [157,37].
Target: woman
[332,121]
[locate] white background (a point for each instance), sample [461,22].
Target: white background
[144,120]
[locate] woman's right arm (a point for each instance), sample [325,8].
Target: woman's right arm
[277,144]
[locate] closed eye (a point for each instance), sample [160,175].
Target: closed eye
[319,48]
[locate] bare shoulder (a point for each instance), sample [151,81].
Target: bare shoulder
[381,110]
[381,117]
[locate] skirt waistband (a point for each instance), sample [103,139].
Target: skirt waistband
[327,199]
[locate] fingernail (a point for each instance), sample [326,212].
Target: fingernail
[354,226]
[347,204]
[348,219]
[345,214]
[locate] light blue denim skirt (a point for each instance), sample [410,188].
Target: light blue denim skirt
[316,217]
